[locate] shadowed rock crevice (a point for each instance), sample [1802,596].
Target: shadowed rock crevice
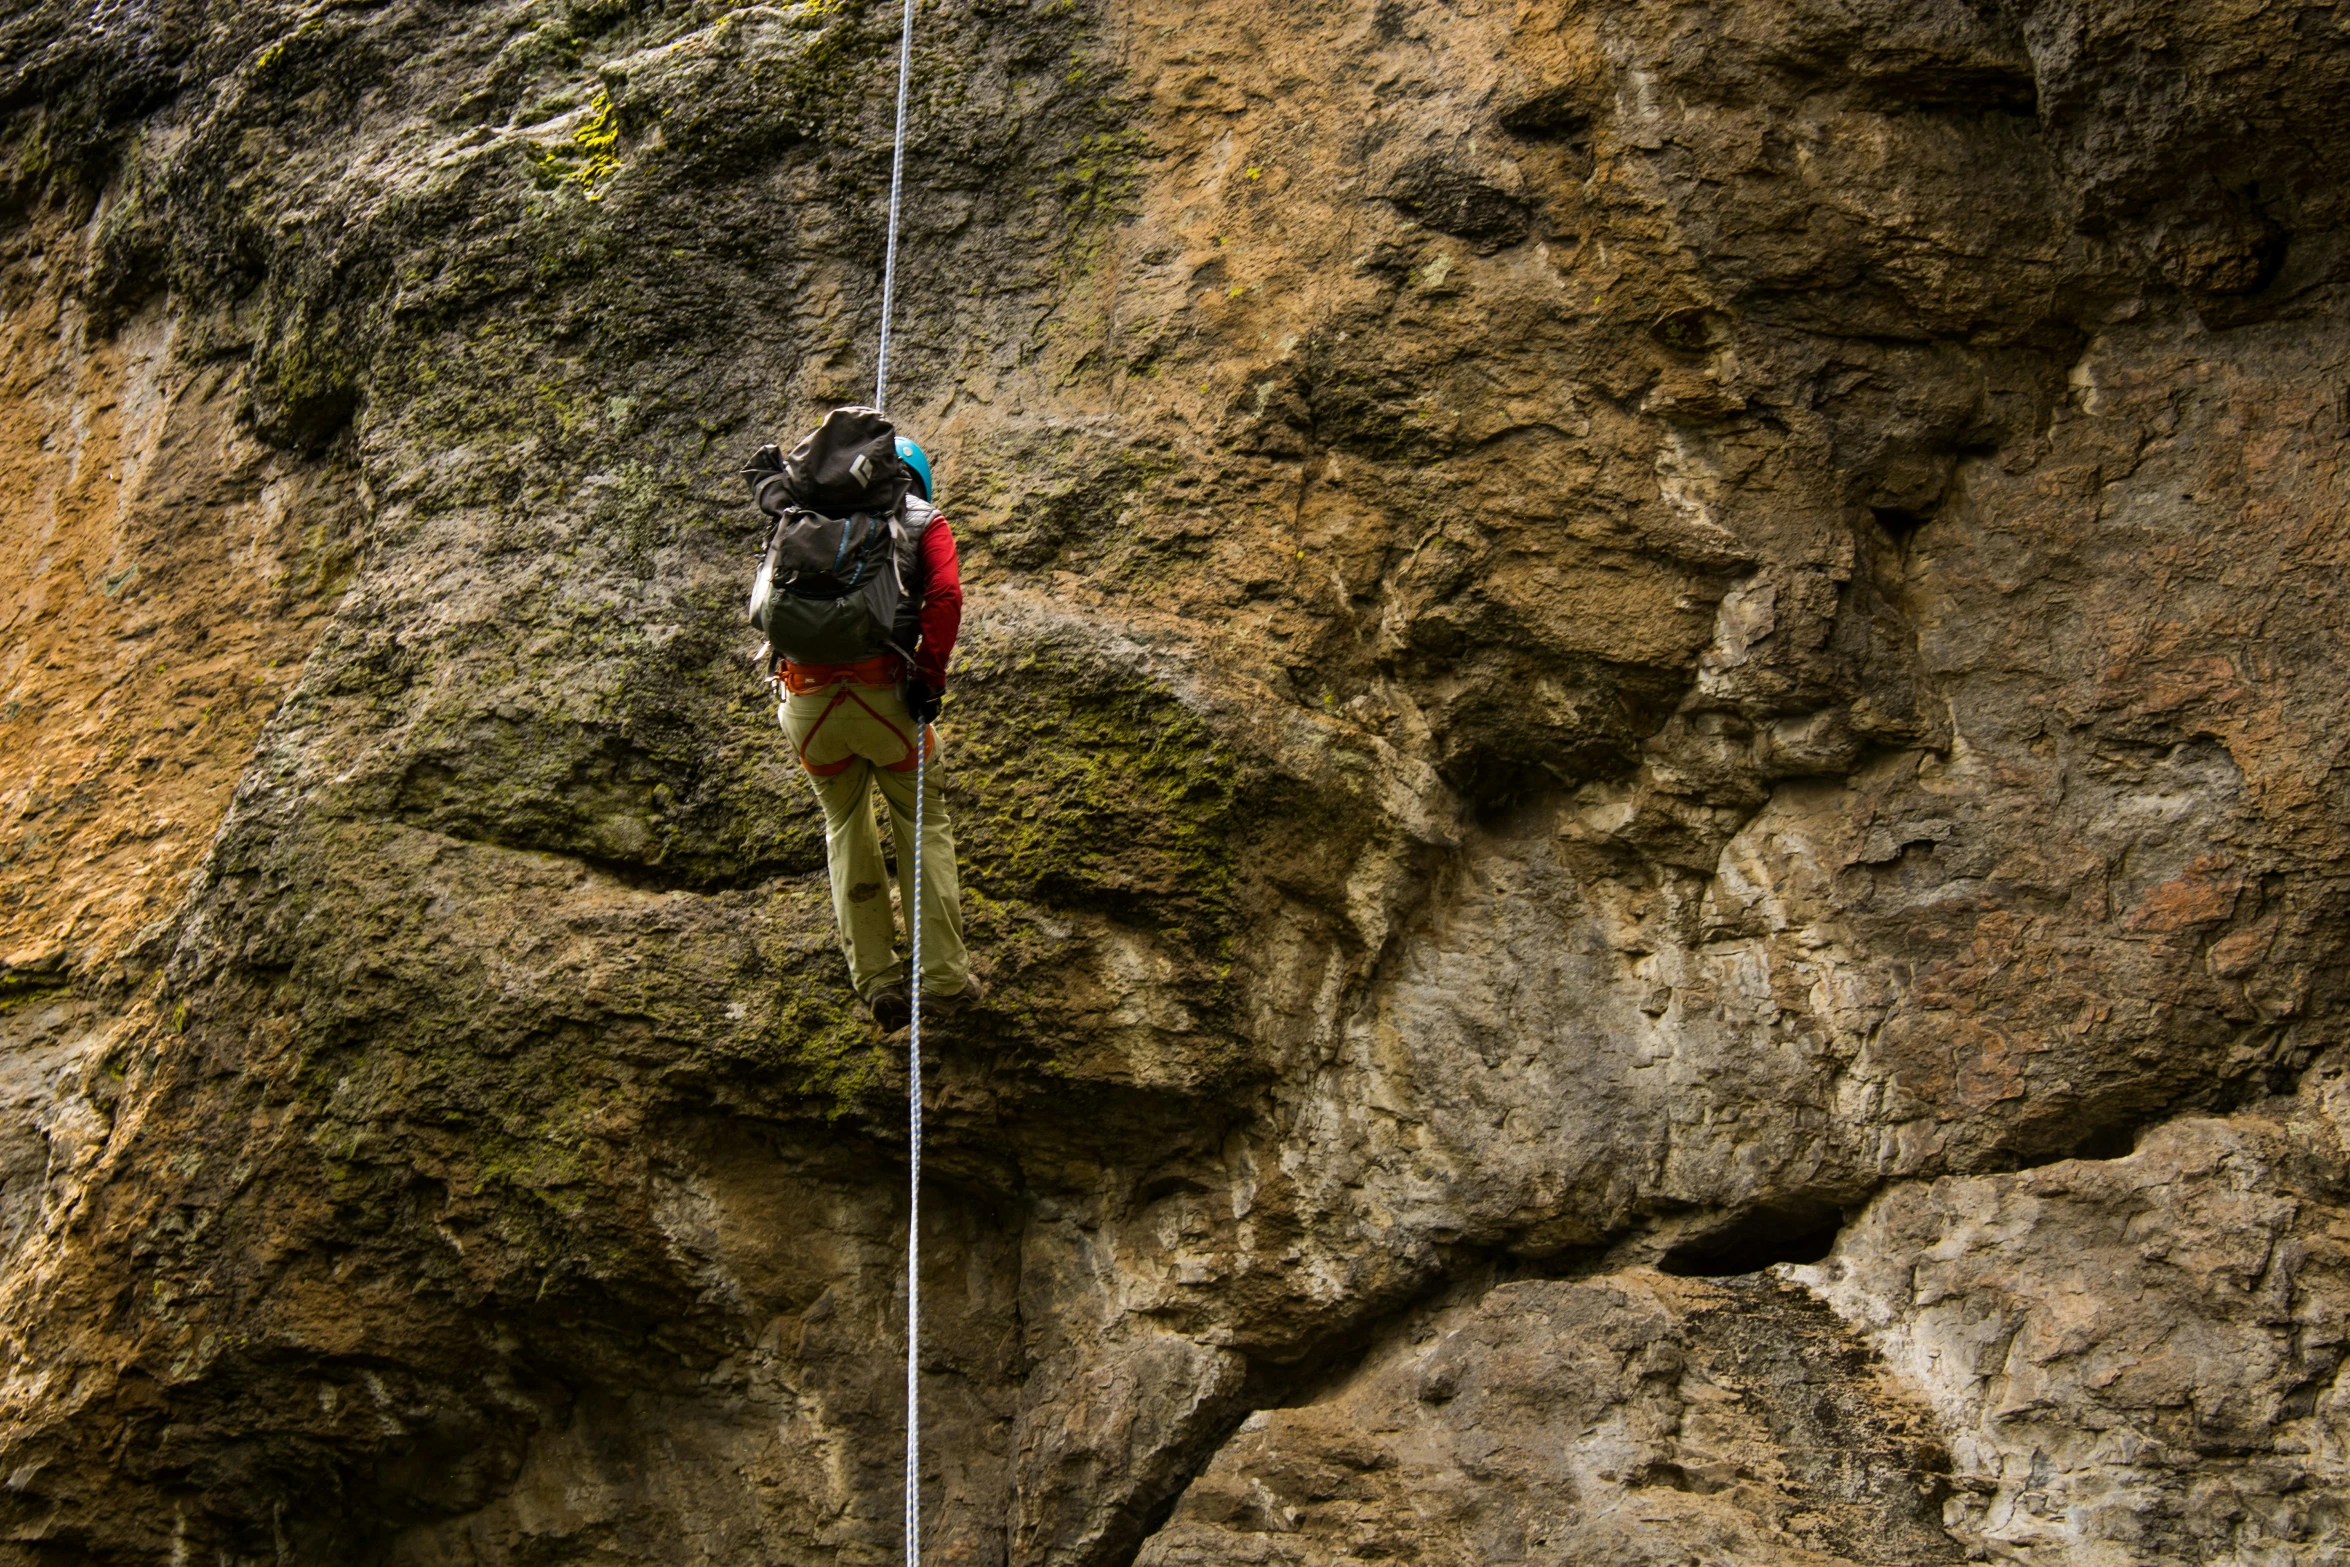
[1752,1242]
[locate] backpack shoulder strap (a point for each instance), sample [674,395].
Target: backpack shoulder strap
[906,526]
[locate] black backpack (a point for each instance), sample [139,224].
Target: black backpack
[841,578]
[838,590]
[849,463]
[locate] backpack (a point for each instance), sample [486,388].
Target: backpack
[839,590]
[841,578]
[848,463]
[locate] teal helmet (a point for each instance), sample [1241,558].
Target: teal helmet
[913,457]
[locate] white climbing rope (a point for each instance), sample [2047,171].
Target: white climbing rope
[889,299]
[897,181]
[914,1167]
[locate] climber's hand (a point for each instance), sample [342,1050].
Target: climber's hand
[923,702]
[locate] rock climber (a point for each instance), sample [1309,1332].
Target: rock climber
[861,597]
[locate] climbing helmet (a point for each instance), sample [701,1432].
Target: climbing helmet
[914,457]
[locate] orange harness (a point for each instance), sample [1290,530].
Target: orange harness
[799,679]
[882,669]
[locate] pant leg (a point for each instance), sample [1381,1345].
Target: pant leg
[852,855]
[946,965]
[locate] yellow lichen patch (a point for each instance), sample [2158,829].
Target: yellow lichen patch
[270,57]
[591,158]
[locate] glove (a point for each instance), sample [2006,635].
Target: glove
[923,702]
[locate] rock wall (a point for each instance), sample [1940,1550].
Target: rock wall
[1648,764]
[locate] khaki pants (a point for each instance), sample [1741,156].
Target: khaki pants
[851,737]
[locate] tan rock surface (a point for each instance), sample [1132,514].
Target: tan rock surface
[1610,645]
[1634,1419]
[2138,1358]
[166,576]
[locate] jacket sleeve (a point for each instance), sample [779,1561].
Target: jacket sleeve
[942,604]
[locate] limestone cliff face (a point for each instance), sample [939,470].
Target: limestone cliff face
[1649,755]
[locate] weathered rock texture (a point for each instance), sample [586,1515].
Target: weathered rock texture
[1612,646]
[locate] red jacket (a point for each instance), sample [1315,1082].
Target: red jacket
[942,604]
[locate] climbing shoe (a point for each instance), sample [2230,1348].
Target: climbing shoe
[972,993]
[890,1008]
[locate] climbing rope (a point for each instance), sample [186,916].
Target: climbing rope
[914,1174]
[889,299]
[897,181]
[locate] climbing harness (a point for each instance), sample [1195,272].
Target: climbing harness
[889,295]
[846,694]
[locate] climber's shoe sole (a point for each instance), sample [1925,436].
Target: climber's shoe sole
[971,995]
[890,1008]
[892,1011]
